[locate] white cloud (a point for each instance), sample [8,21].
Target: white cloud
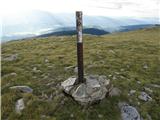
[135,8]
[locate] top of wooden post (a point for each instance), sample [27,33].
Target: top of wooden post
[79,26]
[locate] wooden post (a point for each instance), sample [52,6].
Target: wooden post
[79,46]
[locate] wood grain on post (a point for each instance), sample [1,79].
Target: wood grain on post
[79,46]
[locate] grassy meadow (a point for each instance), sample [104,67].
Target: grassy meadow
[131,60]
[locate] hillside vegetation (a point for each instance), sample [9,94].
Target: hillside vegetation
[131,60]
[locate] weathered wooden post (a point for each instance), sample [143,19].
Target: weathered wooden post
[79,46]
[85,93]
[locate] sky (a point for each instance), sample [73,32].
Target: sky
[123,8]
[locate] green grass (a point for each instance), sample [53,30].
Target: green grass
[125,53]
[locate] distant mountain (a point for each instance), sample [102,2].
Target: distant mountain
[92,31]
[135,27]
[37,23]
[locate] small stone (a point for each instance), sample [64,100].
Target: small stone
[13,74]
[46,60]
[50,97]
[69,68]
[117,73]
[45,77]
[10,74]
[90,66]
[24,89]
[71,115]
[121,69]
[122,77]
[155,85]
[145,97]
[138,82]
[34,77]
[51,84]
[35,69]
[131,92]
[128,112]
[109,75]
[115,92]
[111,51]
[148,89]
[62,102]
[19,106]
[76,70]
[145,66]
[50,66]
[10,58]
[128,66]
[100,116]
[114,78]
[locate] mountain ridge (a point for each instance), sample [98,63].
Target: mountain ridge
[38,22]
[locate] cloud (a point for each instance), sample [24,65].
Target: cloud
[133,8]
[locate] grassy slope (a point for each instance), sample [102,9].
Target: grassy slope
[125,53]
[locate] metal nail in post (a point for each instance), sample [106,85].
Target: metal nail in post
[79,46]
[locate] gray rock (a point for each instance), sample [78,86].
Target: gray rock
[69,68]
[155,85]
[94,89]
[144,96]
[90,66]
[19,106]
[139,82]
[76,70]
[13,74]
[10,58]
[71,115]
[111,51]
[131,92]
[145,66]
[36,70]
[121,69]
[128,112]
[148,89]
[24,89]
[46,60]
[100,116]
[117,73]
[68,84]
[109,75]
[10,74]
[114,78]
[50,66]
[115,92]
